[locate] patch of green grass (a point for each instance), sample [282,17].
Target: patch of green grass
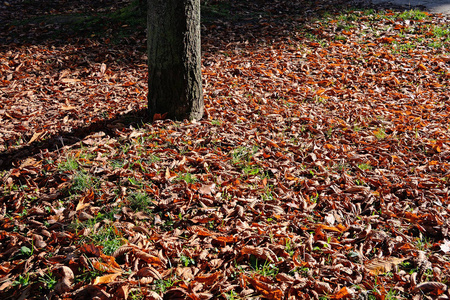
[188,177]
[24,252]
[110,239]
[216,122]
[117,163]
[407,266]
[49,280]
[22,280]
[349,16]
[360,182]
[365,166]
[436,45]
[441,32]
[161,285]
[104,235]
[392,294]
[136,294]
[232,295]
[241,156]
[403,47]
[186,260]
[69,165]
[132,15]
[368,12]
[251,169]
[84,154]
[82,181]
[135,182]
[152,158]
[266,268]
[314,198]
[423,243]
[87,275]
[380,133]
[413,15]
[341,38]
[267,195]
[140,201]
[289,247]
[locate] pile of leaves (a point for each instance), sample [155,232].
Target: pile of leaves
[321,169]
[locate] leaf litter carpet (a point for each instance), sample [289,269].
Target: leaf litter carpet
[320,170]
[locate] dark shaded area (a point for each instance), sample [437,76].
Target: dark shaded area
[134,118]
[112,23]
[62,21]
[59,22]
[122,22]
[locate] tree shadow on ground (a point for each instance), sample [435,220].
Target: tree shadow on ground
[265,22]
[89,32]
[224,22]
[56,141]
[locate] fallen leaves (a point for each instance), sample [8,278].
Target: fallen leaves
[320,169]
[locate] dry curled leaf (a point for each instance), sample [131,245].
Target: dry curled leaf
[380,266]
[431,287]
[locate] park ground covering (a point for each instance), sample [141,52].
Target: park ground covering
[321,169]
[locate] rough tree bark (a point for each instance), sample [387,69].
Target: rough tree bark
[174,59]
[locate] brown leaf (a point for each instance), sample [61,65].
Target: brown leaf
[85,200]
[207,189]
[258,252]
[379,266]
[151,259]
[91,249]
[149,272]
[265,289]
[39,241]
[65,278]
[431,287]
[35,136]
[122,292]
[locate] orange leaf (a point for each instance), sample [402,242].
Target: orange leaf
[154,260]
[386,40]
[330,228]
[343,293]
[265,289]
[208,279]
[226,239]
[106,278]
[422,67]
[200,231]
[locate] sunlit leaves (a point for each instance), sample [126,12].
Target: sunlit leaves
[320,169]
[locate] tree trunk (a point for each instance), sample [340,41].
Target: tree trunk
[174,59]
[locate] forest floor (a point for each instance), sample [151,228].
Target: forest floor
[321,169]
